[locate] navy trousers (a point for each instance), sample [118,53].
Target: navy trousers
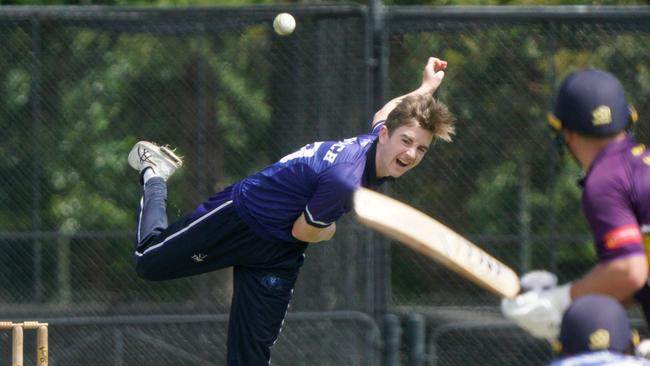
[265,271]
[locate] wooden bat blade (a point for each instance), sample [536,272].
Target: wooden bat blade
[424,234]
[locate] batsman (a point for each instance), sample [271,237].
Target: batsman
[261,225]
[592,118]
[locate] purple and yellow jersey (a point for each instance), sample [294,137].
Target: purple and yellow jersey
[616,199]
[616,203]
[318,180]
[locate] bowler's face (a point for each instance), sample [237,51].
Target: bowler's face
[402,151]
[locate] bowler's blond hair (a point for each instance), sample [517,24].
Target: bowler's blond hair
[427,112]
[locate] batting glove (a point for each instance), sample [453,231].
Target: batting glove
[539,312]
[538,281]
[642,350]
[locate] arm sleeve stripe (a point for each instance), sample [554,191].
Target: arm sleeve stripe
[311,221]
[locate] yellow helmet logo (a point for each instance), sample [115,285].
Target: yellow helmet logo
[636,338]
[634,115]
[599,339]
[602,116]
[554,122]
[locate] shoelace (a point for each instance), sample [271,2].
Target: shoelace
[145,156]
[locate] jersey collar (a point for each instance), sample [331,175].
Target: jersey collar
[370,179]
[611,149]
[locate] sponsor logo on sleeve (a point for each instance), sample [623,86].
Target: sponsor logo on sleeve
[623,235]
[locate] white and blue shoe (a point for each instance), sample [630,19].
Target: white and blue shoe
[161,159]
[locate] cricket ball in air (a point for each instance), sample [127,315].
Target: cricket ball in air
[284,24]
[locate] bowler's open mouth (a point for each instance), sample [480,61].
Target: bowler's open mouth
[402,163]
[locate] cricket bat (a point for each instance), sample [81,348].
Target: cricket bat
[424,234]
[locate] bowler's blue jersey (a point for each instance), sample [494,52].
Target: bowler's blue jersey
[318,180]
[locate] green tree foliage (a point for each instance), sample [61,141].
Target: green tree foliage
[97,93]
[501,182]
[213,95]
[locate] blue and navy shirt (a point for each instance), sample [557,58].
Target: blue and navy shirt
[601,358]
[318,180]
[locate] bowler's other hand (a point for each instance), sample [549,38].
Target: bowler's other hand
[433,74]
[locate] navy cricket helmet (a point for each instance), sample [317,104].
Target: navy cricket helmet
[596,322]
[591,102]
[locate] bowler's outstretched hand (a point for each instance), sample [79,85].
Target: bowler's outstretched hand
[433,74]
[431,79]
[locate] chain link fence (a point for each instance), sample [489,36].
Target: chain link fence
[81,85]
[502,183]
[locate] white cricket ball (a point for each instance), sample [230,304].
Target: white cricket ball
[284,24]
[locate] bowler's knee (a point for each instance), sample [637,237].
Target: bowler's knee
[147,271]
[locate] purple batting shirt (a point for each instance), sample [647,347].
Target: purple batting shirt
[616,203]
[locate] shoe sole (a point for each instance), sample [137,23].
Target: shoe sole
[169,153]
